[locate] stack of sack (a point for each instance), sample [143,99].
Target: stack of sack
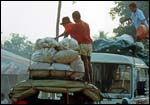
[44,53]
[52,55]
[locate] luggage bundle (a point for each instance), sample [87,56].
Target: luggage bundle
[123,45]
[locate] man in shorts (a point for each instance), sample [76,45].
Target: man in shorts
[81,32]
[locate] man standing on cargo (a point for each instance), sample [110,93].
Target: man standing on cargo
[82,35]
[81,32]
[137,17]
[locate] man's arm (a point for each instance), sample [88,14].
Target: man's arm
[142,18]
[125,20]
[65,34]
[143,21]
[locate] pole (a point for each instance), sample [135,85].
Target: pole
[58,18]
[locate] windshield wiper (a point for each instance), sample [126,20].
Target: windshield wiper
[124,90]
[106,95]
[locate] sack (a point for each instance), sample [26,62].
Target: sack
[40,66]
[50,42]
[77,65]
[25,93]
[68,43]
[38,44]
[37,56]
[59,66]
[46,43]
[44,55]
[128,38]
[66,56]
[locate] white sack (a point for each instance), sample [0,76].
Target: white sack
[38,44]
[59,66]
[77,65]
[65,56]
[46,43]
[68,43]
[44,55]
[37,56]
[50,42]
[40,66]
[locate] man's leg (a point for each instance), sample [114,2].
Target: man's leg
[90,68]
[86,65]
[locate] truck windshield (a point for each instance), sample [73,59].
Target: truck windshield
[112,78]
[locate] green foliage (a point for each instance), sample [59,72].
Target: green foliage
[73,2]
[125,30]
[122,9]
[19,45]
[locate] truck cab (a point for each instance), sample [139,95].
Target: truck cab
[119,77]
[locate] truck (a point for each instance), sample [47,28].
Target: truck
[115,77]
[119,77]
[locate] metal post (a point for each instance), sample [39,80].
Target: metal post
[67,98]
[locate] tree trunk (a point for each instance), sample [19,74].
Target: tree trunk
[58,18]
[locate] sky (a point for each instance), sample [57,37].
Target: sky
[37,19]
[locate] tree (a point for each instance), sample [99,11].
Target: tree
[73,2]
[58,18]
[19,45]
[122,9]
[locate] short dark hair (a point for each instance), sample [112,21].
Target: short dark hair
[76,15]
[132,5]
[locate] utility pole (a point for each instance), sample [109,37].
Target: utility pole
[58,18]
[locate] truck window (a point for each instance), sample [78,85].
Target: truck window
[142,81]
[112,78]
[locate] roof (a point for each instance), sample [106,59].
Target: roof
[116,58]
[13,64]
[22,89]
[11,56]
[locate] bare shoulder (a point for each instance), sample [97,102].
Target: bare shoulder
[85,23]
